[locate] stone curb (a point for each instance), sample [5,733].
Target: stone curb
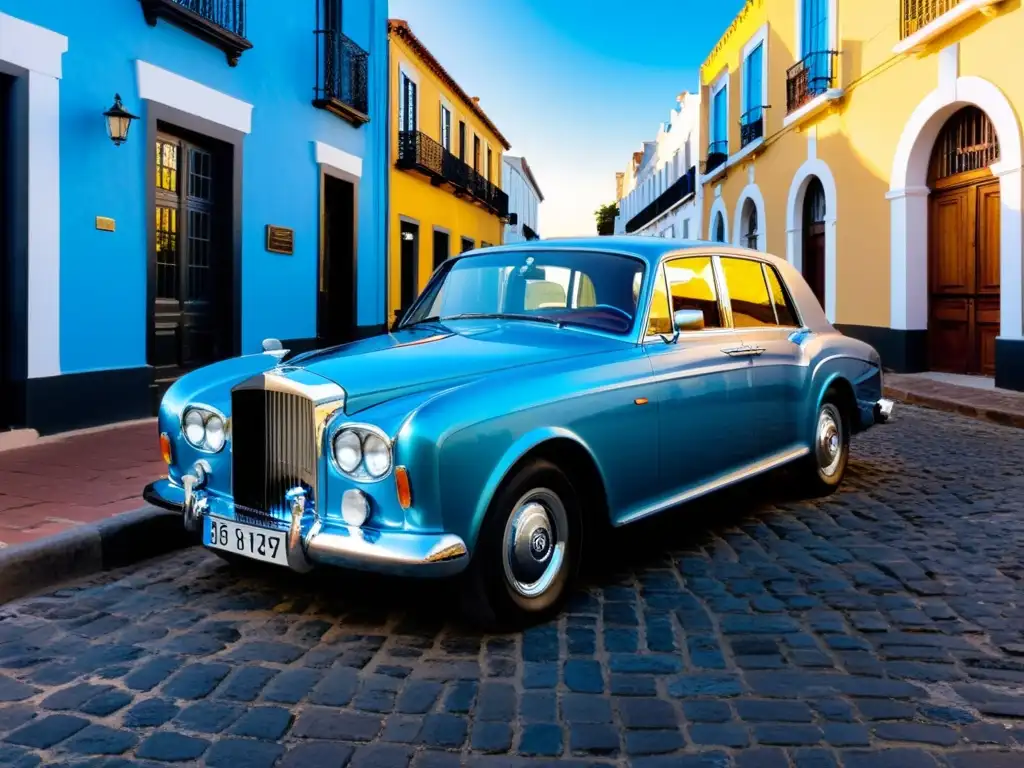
[1006,418]
[89,549]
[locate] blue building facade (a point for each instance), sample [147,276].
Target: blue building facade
[247,201]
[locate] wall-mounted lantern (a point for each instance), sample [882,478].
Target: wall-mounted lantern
[119,120]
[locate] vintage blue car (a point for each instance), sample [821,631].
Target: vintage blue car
[533,396]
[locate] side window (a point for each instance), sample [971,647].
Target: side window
[660,319]
[748,293]
[691,282]
[783,309]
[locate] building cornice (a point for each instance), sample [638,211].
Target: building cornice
[711,67]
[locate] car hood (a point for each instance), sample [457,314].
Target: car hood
[381,368]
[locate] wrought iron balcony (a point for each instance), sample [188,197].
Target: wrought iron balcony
[718,153]
[916,14]
[341,77]
[219,22]
[678,191]
[751,126]
[419,152]
[809,78]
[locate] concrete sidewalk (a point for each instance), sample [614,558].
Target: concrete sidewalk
[1001,406]
[63,482]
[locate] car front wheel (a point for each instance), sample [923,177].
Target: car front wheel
[528,551]
[825,467]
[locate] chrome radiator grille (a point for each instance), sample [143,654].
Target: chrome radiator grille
[273,449]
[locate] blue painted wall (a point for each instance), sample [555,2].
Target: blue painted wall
[103,275]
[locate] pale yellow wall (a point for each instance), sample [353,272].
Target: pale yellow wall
[857,139]
[411,194]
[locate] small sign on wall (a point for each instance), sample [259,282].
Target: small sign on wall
[280,240]
[104,224]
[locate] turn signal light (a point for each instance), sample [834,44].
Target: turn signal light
[165,448]
[403,487]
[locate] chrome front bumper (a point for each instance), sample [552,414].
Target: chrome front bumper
[883,411]
[311,541]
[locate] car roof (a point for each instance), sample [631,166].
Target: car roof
[651,249]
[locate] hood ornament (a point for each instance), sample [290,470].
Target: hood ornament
[274,348]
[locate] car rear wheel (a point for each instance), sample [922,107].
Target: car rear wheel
[825,467]
[528,551]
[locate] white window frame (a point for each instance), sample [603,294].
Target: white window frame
[833,28]
[759,38]
[446,106]
[721,82]
[408,72]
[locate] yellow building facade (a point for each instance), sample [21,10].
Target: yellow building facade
[445,181]
[877,146]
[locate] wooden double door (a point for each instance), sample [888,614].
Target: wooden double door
[193,309]
[963,277]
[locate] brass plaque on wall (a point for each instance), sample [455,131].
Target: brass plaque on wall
[104,224]
[280,240]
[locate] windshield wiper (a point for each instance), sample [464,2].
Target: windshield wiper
[502,316]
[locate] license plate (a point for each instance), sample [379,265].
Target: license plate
[246,540]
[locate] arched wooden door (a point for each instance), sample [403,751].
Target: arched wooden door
[963,246]
[813,265]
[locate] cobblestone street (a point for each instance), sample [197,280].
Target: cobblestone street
[881,627]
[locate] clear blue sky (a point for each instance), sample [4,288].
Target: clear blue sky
[574,85]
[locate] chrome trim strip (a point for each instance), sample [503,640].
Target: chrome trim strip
[764,465]
[295,381]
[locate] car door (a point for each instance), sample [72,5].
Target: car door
[702,388]
[762,314]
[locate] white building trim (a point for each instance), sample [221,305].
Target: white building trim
[338,159]
[751,192]
[173,90]
[718,207]
[35,54]
[813,167]
[908,200]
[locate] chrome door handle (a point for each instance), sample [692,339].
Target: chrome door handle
[744,351]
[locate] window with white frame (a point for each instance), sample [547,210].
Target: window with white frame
[407,104]
[446,127]
[718,150]
[814,43]
[752,117]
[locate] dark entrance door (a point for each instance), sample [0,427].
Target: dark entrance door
[409,258]
[441,246]
[814,238]
[336,309]
[193,312]
[963,247]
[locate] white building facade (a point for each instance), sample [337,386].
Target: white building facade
[660,193]
[524,199]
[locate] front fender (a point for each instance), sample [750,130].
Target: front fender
[512,455]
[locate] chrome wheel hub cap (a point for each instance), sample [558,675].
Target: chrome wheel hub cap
[829,440]
[534,542]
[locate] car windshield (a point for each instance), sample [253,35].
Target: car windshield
[585,288]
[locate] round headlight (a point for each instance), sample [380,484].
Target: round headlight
[195,430]
[214,433]
[376,456]
[348,450]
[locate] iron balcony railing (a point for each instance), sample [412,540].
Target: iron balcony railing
[679,190]
[809,78]
[915,14]
[751,126]
[220,22]
[419,152]
[718,153]
[341,76]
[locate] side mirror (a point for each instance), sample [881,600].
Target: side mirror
[689,320]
